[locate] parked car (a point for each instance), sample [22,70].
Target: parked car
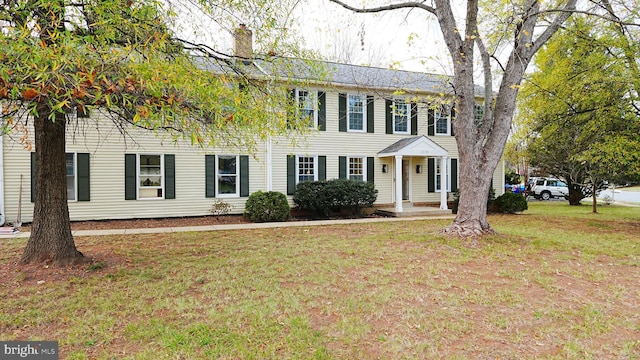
[547,188]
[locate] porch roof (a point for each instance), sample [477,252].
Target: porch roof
[414,146]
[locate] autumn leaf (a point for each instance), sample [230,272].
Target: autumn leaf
[30,94]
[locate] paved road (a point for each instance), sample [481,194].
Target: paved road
[625,196]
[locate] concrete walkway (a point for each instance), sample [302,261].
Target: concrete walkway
[245,226]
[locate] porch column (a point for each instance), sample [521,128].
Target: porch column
[398,183]
[443,183]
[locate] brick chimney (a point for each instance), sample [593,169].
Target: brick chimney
[243,42]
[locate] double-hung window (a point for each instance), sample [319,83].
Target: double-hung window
[72,177]
[438,175]
[357,168]
[227,176]
[356,112]
[307,168]
[77,173]
[150,176]
[443,123]
[306,100]
[401,116]
[478,114]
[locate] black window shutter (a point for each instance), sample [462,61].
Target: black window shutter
[342,112]
[33,177]
[130,176]
[370,114]
[84,184]
[322,110]
[169,176]
[431,122]
[342,167]
[431,175]
[414,118]
[370,169]
[453,116]
[244,175]
[210,176]
[291,174]
[322,168]
[454,174]
[388,111]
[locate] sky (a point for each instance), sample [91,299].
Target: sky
[398,39]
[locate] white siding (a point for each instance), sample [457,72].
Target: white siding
[107,148]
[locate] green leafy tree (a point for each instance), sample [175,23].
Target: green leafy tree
[124,59]
[581,105]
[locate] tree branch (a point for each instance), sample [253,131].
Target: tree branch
[377,9]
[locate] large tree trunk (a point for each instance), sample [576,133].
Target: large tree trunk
[51,238]
[575,194]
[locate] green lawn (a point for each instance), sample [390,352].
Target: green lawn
[558,283]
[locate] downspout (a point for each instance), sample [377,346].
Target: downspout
[268,145]
[269,168]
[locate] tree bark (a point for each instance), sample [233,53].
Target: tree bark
[575,194]
[594,197]
[51,239]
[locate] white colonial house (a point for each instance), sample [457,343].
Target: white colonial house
[361,130]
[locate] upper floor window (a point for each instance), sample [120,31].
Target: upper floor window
[478,114]
[443,120]
[356,112]
[357,168]
[307,169]
[401,116]
[306,100]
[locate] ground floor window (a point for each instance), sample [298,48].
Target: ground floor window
[71,177]
[450,178]
[150,176]
[227,179]
[307,168]
[357,168]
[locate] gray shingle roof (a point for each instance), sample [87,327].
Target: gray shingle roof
[399,145]
[336,74]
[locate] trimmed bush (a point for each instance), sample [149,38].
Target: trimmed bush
[351,196]
[510,203]
[310,195]
[346,196]
[267,206]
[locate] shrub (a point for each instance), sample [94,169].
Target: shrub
[350,196]
[510,203]
[344,195]
[267,207]
[220,207]
[310,195]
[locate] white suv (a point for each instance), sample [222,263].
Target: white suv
[547,188]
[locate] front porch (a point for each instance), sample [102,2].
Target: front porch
[402,152]
[409,210]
